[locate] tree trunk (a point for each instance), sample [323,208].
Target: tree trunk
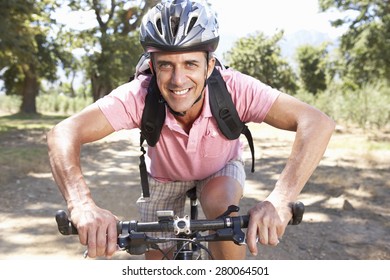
[72,91]
[99,89]
[30,90]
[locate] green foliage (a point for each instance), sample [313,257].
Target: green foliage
[25,40]
[15,36]
[312,62]
[365,46]
[116,62]
[112,48]
[260,57]
[368,107]
[28,48]
[9,104]
[47,103]
[61,104]
[33,45]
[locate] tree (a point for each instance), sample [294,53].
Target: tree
[365,46]
[260,57]
[28,50]
[112,48]
[312,67]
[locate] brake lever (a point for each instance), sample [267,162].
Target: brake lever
[230,209]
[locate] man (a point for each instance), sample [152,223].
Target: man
[180,37]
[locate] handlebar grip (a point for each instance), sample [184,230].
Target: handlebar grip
[298,208]
[65,226]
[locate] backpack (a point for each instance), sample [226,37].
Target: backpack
[153,116]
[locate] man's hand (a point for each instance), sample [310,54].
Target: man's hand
[97,230]
[267,224]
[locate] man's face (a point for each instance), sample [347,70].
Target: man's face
[181,77]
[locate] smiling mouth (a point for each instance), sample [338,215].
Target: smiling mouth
[180,92]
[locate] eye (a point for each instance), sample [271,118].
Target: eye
[165,66]
[191,64]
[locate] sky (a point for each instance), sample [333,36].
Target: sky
[269,15]
[238,18]
[241,16]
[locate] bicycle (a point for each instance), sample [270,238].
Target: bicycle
[133,237]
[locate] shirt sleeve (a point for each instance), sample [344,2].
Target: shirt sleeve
[253,99]
[123,107]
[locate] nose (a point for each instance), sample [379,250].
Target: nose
[178,77]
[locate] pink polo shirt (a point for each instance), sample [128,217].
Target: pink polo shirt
[179,156]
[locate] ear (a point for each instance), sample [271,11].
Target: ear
[210,66]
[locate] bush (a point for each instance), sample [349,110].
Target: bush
[10,104]
[53,103]
[47,103]
[369,107]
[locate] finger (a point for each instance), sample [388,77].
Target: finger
[251,235]
[263,234]
[101,241]
[280,231]
[273,238]
[91,242]
[112,237]
[83,235]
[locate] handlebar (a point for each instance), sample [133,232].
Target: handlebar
[132,234]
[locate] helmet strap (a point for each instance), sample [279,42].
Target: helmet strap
[182,114]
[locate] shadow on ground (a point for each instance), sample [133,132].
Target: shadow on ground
[346,207]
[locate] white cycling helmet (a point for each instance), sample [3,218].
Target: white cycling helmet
[179,25]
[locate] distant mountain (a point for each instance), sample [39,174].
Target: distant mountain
[290,42]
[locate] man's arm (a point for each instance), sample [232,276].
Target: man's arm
[96,226]
[313,131]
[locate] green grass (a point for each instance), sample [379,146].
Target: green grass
[22,145]
[28,122]
[18,161]
[31,157]
[46,104]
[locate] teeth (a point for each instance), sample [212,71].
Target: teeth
[181,92]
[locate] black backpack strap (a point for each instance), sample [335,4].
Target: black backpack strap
[222,107]
[142,170]
[249,138]
[225,112]
[153,118]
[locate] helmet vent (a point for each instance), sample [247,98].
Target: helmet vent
[174,25]
[179,25]
[158,25]
[192,23]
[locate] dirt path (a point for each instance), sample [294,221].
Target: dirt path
[347,214]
